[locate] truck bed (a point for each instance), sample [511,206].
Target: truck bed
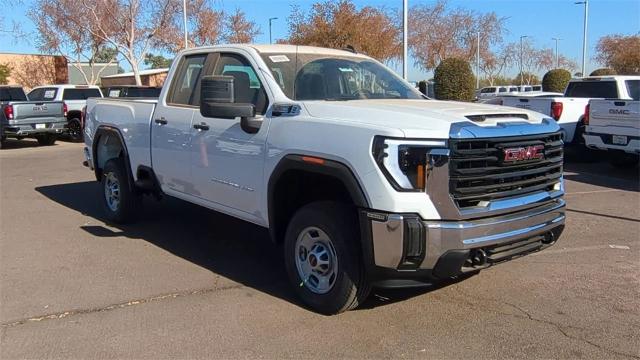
[132,116]
[614,124]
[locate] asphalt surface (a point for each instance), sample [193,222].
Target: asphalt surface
[185,282]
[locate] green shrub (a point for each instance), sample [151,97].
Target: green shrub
[603,72]
[556,80]
[454,80]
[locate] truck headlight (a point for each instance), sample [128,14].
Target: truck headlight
[404,162]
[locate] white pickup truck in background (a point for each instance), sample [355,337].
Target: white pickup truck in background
[75,98]
[614,126]
[568,110]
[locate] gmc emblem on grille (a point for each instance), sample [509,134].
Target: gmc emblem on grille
[523,153]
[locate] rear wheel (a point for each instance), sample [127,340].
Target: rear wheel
[75,130]
[2,142]
[584,154]
[121,204]
[323,260]
[46,139]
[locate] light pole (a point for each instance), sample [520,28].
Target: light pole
[556,40]
[584,35]
[184,20]
[521,77]
[405,37]
[270,20]
[478,63]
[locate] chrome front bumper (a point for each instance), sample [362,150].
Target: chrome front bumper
[396,237]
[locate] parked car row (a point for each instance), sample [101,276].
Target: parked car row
[47,112]
[494,91]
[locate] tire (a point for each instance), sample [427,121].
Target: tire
[75,130]
[120,202]
[46,139]
[583,153]
[2,142]
[322,242]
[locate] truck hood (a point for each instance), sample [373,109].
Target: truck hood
[419,118]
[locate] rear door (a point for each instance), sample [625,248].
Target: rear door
[171,129]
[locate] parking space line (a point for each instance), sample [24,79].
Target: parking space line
[603,215]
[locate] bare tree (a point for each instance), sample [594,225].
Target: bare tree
[132,27]
[57,35]
[204,25]
[547,60]
[493,64]
[239,30]
[437,33]
[338,24]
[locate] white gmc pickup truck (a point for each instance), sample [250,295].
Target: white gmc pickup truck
[568,110]
[363,180]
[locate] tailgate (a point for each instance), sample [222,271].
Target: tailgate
[27,112]
[541,105]
[614,113]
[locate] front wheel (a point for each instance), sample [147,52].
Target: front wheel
[322,257]
[121,203]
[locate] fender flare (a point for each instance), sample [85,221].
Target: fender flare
[331,168]
[104,130]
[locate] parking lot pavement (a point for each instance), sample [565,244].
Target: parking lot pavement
[186,282]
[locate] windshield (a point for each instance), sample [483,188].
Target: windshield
[324,77]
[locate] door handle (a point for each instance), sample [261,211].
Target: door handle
[161,121]
[202,126]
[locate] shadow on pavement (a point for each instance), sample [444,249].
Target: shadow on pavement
[594,169]
[13,144]
[226,246]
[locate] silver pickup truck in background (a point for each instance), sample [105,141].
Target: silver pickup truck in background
[21,118]
[613,125]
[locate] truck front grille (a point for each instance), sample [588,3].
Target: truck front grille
[479,173]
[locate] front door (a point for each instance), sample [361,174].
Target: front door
[171,127]
[227,162]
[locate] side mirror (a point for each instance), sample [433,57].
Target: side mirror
[217,100]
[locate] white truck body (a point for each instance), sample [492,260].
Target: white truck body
[485,182]
[614,125]
[569,109]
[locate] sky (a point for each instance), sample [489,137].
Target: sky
[541,20]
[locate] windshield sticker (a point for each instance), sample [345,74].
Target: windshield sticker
[50,94]
[346,69]
[279,58]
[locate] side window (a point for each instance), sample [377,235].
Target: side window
[247,86]
[186,80]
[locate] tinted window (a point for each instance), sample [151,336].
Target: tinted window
[537,88]
[487,90]
[502,90]
[12,94]
[80,94]
[592,89]
[188,76]
[246,85]
[143,92]
[633,88]
[43,94]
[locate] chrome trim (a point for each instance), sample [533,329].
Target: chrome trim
[388,237]
[518,127]
[443,236]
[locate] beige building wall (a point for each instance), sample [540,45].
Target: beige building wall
[156,80]
[31,70]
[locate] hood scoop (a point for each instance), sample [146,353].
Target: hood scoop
[484,117]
